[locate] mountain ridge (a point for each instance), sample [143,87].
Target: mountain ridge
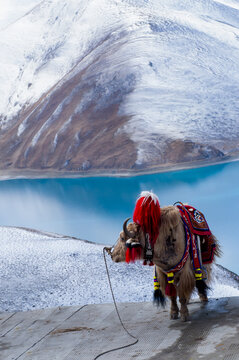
[147,85]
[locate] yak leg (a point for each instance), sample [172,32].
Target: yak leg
[174,308]
[185,288]
[184,309]
[202,290]
[203,298]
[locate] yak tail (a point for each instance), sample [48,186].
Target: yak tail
[159,298]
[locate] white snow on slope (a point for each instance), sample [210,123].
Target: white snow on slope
[46,270]
[42,46]
[183,54]
[189,84]
[11,11]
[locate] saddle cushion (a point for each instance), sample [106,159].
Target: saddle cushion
[199,226]
[196,220]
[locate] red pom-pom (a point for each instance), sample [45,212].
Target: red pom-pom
[128,255]
[170,290]
[147,215]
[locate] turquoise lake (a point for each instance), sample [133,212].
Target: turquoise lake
[95,208]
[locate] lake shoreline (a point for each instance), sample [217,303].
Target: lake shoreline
[94,208]
[124,173]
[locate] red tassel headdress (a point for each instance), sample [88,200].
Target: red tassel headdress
[147,215]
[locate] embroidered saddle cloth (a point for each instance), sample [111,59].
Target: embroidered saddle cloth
[198,226]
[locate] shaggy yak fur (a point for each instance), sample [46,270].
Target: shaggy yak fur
[168,251]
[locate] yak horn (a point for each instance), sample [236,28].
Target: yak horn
[128,233]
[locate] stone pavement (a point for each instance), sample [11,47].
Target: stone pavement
[83,332]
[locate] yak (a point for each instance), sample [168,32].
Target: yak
[164,238]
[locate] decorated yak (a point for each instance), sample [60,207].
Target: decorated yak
[177,240]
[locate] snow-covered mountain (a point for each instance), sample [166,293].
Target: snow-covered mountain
[41,270]
[118,84]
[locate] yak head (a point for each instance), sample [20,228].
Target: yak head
[131,234]
[170,243]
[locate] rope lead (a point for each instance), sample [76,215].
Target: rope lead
[117,311]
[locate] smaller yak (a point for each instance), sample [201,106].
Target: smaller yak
[177,240]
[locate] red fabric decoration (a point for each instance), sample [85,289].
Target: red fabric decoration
[128,255]
[170,290]
[147,215]
[195,219]
[135,253]
[139,253]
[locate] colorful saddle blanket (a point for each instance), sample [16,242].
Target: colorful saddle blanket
[199,226]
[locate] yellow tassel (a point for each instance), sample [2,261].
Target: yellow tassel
[170,277]
[198,274]
[156,283]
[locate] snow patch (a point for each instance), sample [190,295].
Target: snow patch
[44,270]
[47,124]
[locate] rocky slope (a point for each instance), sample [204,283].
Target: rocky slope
[118,85]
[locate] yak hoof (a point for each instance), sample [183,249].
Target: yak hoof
[184,317]
[203,299]
[174,316]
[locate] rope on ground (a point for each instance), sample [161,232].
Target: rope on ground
[117,311]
